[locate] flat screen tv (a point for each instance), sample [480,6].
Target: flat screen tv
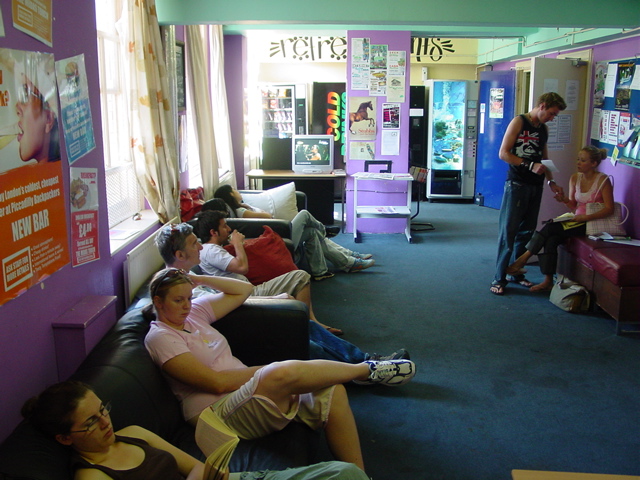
[312,153]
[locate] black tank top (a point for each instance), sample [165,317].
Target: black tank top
[529,145]
[156,464]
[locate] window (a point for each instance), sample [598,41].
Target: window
[124,195]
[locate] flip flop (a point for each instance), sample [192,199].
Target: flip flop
[497,289]
[524,282]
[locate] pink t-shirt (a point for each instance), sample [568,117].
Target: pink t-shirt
[200,339]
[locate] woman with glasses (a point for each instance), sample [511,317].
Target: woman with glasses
[72,414]
[259,400]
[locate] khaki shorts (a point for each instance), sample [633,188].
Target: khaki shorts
[291,282]
[255,416]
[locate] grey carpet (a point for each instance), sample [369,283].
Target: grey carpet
[503,382]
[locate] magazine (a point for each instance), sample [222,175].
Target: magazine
[217,441]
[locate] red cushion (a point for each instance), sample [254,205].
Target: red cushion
[268,256]
[619,265]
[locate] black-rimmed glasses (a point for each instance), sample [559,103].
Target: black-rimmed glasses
[91,425]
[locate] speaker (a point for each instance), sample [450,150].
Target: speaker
[418,126]
[276,153]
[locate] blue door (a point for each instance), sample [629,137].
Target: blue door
[496,109]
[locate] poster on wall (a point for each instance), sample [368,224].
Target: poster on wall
[496,103]
[83,196]
[362,150]
[33,244]
[328,116]
[34,19]
[360,52]
[623,86]
[362,118]
[75,107]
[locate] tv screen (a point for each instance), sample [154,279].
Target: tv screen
[312,153]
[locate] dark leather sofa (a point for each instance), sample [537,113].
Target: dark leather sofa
[121,371]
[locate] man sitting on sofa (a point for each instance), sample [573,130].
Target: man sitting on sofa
[180,248]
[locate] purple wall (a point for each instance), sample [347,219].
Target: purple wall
[235,78]
[626,178]
[387,193]
[27,356]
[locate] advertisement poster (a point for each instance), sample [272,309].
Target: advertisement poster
[362,150]
[390,115]
[360,63]
[83,197]
[74,104]
[32,202]
[623,87]
[328,116]
[362,118]
[34,18]
[496,103]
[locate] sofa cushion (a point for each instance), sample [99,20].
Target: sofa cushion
[280,201]
[621,266]
[268,257]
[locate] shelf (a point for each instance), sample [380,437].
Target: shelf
[381,211]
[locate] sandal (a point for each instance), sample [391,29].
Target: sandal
[497,289]
[524,282]
[336,331]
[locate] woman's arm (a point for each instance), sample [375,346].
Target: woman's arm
[189,467]
[235,292]
[249,212]
[187,369]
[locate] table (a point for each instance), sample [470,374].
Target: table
[381,211]
[289,175]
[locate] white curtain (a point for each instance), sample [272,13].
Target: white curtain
[152,124]
[207,94]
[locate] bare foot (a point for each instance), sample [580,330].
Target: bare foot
[542,287]
[515,269]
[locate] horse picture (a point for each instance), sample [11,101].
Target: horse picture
[362,114]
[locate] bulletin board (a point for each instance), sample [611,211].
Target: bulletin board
[616,114]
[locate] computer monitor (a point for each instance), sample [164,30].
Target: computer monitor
[312,153]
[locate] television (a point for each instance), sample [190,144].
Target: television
[312,153]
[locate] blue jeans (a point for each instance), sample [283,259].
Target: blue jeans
[325,345]
[517,222]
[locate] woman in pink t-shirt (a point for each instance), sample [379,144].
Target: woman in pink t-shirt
[258,400]
[587,185]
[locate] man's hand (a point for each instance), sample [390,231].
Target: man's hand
[237,239]
[538,168]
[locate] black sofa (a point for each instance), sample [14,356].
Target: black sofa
[121,371]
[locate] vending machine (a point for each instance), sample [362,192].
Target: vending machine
[452,134]
[284,114]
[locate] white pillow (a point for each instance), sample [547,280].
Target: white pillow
[280,201]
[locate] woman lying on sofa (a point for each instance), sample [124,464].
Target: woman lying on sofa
[71,413]
[587,185]
[307,233]
[252,401]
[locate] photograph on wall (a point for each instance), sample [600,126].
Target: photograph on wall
[496,103]
[83,197]
[362,150]
[623,86]
[378,82]
[362,118]
[32,203]
[390,115]
[75,108]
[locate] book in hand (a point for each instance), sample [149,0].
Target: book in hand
[217,441]
[565,217]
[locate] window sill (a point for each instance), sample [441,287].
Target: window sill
[130,230]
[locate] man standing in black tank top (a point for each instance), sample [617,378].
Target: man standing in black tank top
[524,146]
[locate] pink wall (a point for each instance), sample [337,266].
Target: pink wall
[27,357]
[626,178]
[387,193]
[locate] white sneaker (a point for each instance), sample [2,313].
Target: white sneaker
[359,264]
[389,372]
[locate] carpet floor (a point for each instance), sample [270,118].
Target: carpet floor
[503,383]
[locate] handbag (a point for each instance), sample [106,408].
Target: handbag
[611,224]
[570,296]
